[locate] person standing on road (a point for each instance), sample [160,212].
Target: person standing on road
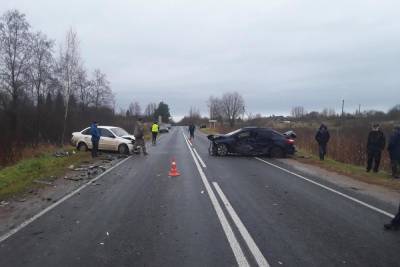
[191,131]
[375,145]
[154,132]
[394,151]
[95,133]
[139,136]
[322,138]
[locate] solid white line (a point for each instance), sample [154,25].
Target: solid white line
[195,152]
[55,204]
[330,189]
[237,251]
[260,259]
[200,159]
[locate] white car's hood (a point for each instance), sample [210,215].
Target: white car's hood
[129,137]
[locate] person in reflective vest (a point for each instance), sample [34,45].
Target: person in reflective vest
[154,132]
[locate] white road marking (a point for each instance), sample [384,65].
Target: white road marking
[237,251]
[197,154]
[55,204]
[330,189]
[200,159]
[260,259]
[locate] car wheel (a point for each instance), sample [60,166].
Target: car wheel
[82,147]
[123,149]
[277,152]
[222,150]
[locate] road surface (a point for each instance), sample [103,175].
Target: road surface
[220,212]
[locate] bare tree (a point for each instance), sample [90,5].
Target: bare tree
[41,63]
[135,109]
[298,112]
[232,106]
[328,112]
[102,94]
[194,113]
[215,108]
[150,110]
[15,39]
[84,88]
[68,67]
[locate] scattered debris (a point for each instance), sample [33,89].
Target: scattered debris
[74,178]
[80,169]
[4,203]
[122,156]
[102,243]
[107,234]
[102,168]
[280,263]
[49,199]
[59,154]
[202,192]
[21,199]
[71,167]
[42,182]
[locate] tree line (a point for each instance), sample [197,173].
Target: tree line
[47,93]
[299,112]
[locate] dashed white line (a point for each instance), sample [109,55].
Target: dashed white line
[237,250]
[55,204]
[330,189]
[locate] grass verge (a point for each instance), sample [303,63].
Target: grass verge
[20,177]
[381,178]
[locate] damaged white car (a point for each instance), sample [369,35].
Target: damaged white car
[111,139]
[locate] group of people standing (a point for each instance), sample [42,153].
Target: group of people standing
[376,143]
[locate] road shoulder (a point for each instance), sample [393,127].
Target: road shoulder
[379,192]
[20,208]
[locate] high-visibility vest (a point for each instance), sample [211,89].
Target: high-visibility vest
[154,128]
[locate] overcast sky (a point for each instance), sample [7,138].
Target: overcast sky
[276,53]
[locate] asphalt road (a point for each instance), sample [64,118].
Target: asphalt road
[220,212]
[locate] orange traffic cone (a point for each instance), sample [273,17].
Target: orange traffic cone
[174,171]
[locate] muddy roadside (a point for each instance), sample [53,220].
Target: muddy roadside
[16,210]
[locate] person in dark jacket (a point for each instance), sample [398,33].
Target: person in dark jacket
[375,145]
[139,136]
[394,151]
[322,137]
[95,133]
[191,131]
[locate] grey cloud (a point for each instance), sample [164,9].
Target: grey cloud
[278,54]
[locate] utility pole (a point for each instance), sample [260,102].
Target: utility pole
[342,107]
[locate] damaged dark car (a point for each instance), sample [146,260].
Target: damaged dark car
[253,141]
